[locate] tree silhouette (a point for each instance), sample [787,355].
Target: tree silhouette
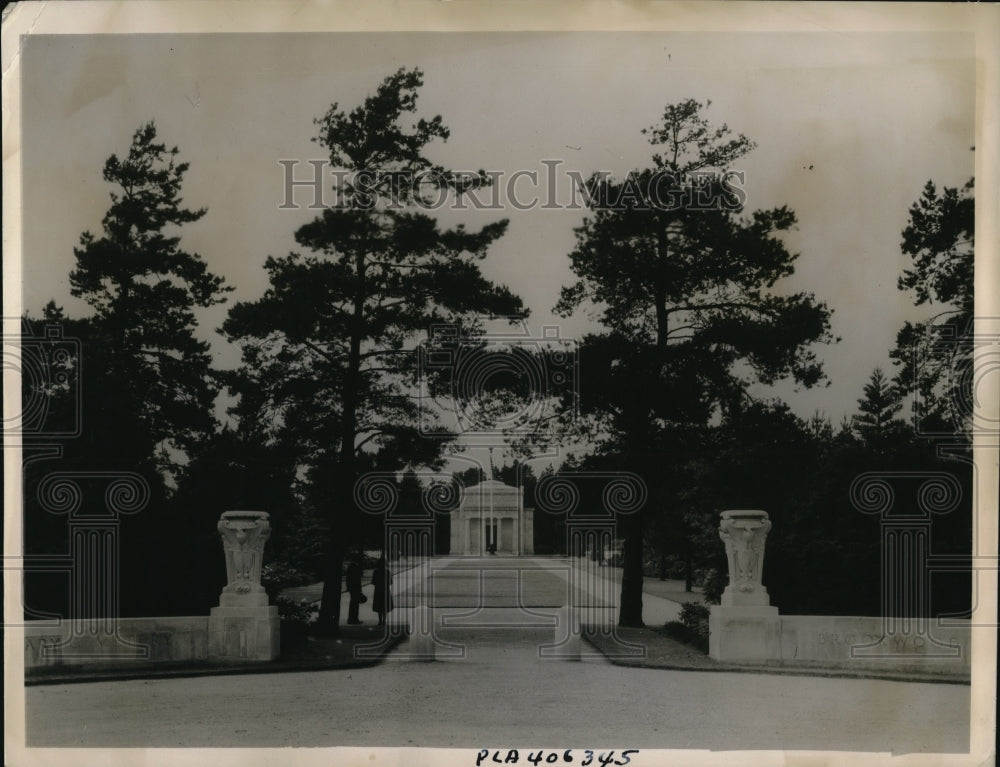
[876,419]
[683,285]
[328,351]
[934,357]
[141,385]
[144,287]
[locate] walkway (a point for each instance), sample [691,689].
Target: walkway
[502,694]
[661,599]
[498,690]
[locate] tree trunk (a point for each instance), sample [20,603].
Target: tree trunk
[630,613]
[329,611]
[688,572]
[344,521]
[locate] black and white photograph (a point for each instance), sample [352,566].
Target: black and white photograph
[474,384]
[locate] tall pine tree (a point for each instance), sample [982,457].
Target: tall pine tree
[144,288]
[683,285]
[145,385]
[329,350]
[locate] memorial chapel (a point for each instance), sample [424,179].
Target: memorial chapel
[492,514]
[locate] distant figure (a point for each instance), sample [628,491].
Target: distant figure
[382,581]
[354,589]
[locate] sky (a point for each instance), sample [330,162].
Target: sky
[848,127]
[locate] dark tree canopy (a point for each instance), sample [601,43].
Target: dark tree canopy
[683,282]
[144,287]
[935,356]
[940,240]
[698,278]
[686,292]
[329,350]
[139,389]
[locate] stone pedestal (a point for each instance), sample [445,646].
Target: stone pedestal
[744,627]
[244,633]
[744,533]
[244,626]
[747,634]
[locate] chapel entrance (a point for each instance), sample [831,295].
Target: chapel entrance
[492,520]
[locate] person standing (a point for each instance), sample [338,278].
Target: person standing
[382,580]
[354,589]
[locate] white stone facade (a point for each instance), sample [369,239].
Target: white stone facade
[492,513]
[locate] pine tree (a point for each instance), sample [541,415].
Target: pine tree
[683,283]
[935,356]
[329,349]
[142,390]
[877,410]
[144,288]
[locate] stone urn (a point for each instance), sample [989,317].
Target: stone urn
[244,534]
[744,627]
[244,627]
[744,534]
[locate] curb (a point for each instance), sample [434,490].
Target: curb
[810,671]
[203,669]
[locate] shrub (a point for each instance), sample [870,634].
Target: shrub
[692,628]
[294,610]
[277,576]
[680,632]
[295,615]
[694,615]
[712,585]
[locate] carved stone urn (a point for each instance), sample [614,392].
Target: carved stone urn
[244,534]
[244,627]
[745,627]
[744,534]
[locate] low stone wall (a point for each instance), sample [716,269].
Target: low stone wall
[243,628]
[97,642]
[760,636]
[863,643]
[745,628]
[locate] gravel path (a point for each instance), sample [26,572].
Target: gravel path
[501,693]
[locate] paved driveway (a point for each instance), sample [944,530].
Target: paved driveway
[497,691]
